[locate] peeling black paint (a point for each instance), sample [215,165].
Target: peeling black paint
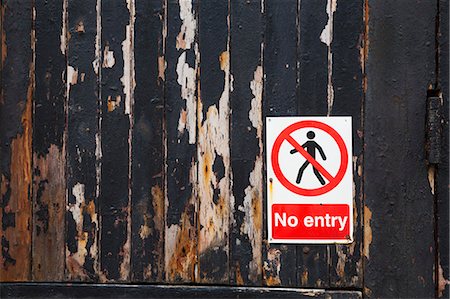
[148,161]
[246,37]
[81,124]
[213,41]
[115,127]
[280,67]
[347,80]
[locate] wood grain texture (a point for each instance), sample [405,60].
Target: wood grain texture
[246,142]
[117,94]
[398,216]
[347,81]
[16,104]
[82,88]
[49,161]
[148,152]
[181,93]
[280,69]
[213,151]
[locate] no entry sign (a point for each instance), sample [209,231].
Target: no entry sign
[309,179]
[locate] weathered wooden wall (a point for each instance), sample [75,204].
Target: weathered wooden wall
[132,139]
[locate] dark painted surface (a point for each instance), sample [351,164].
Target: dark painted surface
[148,168]
[154,291]
[312,90]
[81,227]
[280,67]
[347,82]
[48,156]
[115,138]
[246,142]
[400,67]
[442,182]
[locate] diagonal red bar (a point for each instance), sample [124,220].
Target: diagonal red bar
[310,159]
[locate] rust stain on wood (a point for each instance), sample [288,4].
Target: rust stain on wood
[16,234]
[239,279]
[159,224]
[162,64]
[181,251]
[367,232]
[272,267]
[48,212]
[113,103]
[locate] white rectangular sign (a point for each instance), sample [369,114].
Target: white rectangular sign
[309,179]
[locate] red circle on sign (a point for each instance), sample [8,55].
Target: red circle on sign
[309,124]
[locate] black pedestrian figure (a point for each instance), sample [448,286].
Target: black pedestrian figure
[310,147]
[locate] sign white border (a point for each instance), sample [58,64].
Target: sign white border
[278,194]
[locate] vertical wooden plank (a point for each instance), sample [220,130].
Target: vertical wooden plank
[442,179]
[347,79]
[213,143]
[147,168]
[117,95]
[316,95]
[181,119]
[16,136]
[315,37]
[82,91]
[398,212]
[49,195]
[280,68]
[246,25]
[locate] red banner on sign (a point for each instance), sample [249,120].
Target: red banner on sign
[311,221]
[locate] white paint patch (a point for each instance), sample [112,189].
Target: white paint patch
[170,243]
[98,157]
[127,79]
[77,208]
[327,33]
[255,113]
[98,40]
[72,77]
[187,32]
[108,58]
[327,38]
[254,192]
[93,251]
[187,80]
[431,174]
[231,82]
[63,37]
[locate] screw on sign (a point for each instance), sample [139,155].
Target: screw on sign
[309,179]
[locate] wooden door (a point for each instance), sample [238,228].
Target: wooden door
[132,144]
